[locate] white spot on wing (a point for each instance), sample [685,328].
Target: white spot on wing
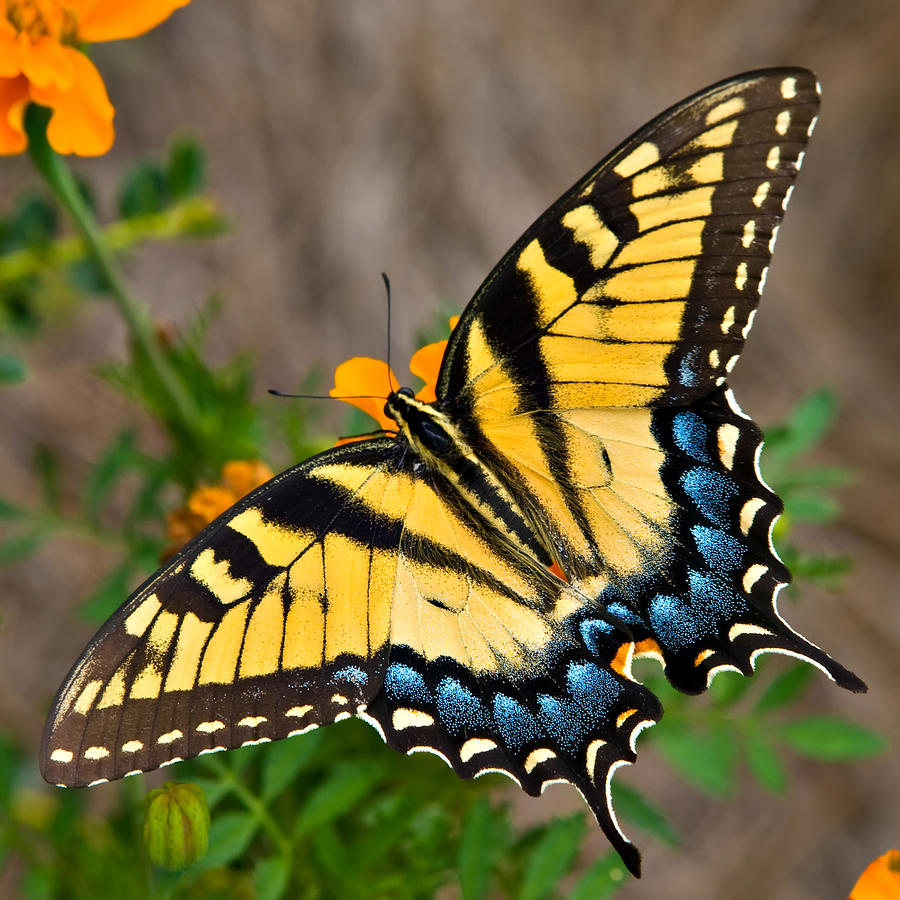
[410,718]
[210,727]
[749,232]
[746,329]
[474,746]
[62,756]
[752,575]
[789,88]
[787,197]
[302,730]
[773,157]
[132,746]
[96,753]
[761,193]
[536,757]
[740,628]
[740,279]
[252,721]
[169,737]
[728,320]
[783,122]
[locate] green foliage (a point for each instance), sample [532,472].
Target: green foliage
[334,813]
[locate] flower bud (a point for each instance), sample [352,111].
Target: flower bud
[176,825]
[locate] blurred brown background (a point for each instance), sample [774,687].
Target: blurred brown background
[352,137]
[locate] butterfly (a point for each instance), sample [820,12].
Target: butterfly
[583,426]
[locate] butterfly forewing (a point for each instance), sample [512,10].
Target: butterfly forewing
[275,619]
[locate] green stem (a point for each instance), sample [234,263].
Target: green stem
[252,802]
[184,219]
[61,181]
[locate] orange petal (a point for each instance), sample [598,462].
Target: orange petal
[45,63]
[13,99]
[112,20]
[364,382]
[454,321]
[426,363]
[82,117]
[10,66]
[241,476]
[880,880]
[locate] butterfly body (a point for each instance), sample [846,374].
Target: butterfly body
[582,420]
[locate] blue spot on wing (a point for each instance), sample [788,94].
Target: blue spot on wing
[689,369]
[676,624]
[690,433]
[721,551]
[711,492]
[404,684]
[459,708]
[516,725]
[353,674]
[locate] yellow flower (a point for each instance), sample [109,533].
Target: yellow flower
[208,502]
[365,383]
[880,880]
[41,60]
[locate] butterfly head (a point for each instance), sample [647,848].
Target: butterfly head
[426,428]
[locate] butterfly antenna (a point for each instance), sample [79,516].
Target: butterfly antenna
[277,393]
[387,288]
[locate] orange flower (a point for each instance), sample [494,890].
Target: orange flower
[207,502]
[41,60]
[365,383]
[880,880]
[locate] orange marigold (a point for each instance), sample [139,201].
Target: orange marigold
[365,383]
[207,502]
[880,880]
[41,60]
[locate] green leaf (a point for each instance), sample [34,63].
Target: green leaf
[805,427]
[143,190]
[187,168]
[819,477]
[812,507]
[728,687]
[706,759]
[12,369]
[337,794]
[785,688]
[19,547]
[632,805]
[603,879]
[47,469]
[552,857]
[478,850]
[36,221]
[109,595]
[281,764]
[832,739]
[229,836]
[10,511]
[764,763]
[270,878]
[118,457]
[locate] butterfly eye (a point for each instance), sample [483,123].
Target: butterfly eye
[407,392]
